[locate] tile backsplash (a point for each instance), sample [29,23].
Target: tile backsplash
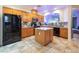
[58,24]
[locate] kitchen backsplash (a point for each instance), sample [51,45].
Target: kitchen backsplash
[60,24]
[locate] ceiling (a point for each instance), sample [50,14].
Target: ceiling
[42,9]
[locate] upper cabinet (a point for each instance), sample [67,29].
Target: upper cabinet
[41,18]
[34,14]
[26,17]
[7,10]
[16,12]
[11,11]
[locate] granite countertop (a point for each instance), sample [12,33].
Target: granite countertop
[43,28]
[55,26]
[61,27]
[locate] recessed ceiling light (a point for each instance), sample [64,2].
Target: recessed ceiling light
[56,11]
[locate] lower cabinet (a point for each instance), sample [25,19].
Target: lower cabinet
[26,32]
[64,32]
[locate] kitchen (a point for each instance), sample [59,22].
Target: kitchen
[43,23]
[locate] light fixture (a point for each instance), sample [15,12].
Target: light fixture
[47,13]
[56,11]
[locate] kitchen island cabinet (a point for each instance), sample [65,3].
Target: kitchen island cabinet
[43,35]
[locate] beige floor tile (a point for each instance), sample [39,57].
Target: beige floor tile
[29,45]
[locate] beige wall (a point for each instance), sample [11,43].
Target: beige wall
[0,25]
[66,16]
[62,15]
[69,22]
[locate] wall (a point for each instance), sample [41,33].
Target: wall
[76,13]
[64,15]
[1,25]
[61,15]
[69,15]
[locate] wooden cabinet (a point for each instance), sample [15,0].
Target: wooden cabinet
[43,36]
[7,10]
[11,11]
[41,18]
[16,12]
[64,32]
[26,17]
[25,32]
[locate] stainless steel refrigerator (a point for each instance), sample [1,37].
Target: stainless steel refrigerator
[11,29]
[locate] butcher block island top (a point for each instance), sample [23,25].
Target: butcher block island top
[43,35]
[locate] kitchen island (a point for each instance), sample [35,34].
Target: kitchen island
[43,35]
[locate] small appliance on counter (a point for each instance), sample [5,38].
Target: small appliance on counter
[35,23]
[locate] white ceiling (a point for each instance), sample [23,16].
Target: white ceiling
[42,9]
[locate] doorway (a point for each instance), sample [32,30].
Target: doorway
[75,25]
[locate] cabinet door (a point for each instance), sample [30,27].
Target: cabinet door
[48,36]
[24,33]
[7,10]
[40,36]
[41,18]
[16,12]
[25,17]
[64,32]
[30,31]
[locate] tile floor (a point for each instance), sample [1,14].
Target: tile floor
[29,45]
